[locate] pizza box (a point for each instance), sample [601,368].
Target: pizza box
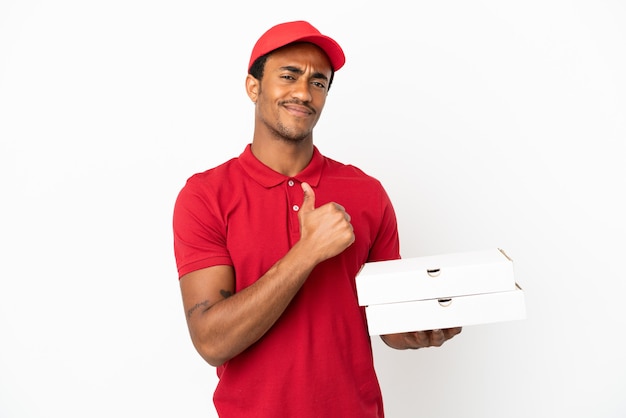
[458,311]
[435,277]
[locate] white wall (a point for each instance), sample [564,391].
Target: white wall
[491,124]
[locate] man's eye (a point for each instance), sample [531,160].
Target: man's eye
[288,77]
[320,85]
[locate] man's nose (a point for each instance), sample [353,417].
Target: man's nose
[302,90]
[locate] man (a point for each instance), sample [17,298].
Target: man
[268,246]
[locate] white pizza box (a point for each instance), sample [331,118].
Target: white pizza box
[437,276]
[421,315]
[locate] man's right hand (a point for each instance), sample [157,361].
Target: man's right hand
[326,230]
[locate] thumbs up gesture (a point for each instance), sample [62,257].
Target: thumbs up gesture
[326,231]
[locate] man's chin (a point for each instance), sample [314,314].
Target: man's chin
[293,137]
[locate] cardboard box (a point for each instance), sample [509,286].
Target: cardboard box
[438,276]
[459,311]
[440,291]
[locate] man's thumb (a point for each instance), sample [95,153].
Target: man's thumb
[308,203]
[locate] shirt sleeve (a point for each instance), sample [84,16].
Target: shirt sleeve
[386,245]
[199,231]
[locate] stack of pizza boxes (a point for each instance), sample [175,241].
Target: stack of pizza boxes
[440,291]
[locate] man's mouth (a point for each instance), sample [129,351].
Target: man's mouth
[298,109]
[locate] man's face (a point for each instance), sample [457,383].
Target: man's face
[291,95]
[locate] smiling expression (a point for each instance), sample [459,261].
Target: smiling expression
[292,92]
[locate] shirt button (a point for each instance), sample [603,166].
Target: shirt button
[290,183]
[295,208]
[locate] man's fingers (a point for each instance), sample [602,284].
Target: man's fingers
[308,204]
[440,336]
[421,339]
[451,332]
[437,337]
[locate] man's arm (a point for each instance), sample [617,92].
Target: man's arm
[222,323]
[420,339]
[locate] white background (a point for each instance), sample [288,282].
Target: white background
[491,124]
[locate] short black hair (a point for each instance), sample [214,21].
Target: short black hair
[258,67]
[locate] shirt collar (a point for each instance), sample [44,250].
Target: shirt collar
[267,177]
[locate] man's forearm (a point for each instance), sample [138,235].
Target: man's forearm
[229,327]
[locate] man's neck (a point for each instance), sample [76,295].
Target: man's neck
[285,157]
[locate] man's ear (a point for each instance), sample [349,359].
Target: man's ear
[252,87]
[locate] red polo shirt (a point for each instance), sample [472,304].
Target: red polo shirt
[316,361]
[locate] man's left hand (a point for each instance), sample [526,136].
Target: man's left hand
[420,339]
